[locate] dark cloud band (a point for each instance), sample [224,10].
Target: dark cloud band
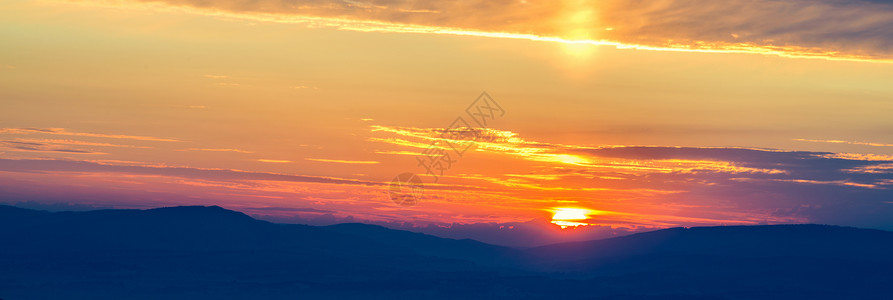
[806,28]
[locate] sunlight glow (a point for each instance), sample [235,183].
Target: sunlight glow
[570,159]
[569,217]
[580,18]
[382,26]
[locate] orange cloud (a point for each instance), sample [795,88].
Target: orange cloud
[75,143]
[216,150]
[278,161]
[825,29]
[363,162]
[846,142]
[63,131]
[511,144]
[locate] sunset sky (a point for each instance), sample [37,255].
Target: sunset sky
[644,114]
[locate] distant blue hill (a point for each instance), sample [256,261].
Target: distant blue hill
[201,252]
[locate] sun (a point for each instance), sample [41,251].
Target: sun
[578,21]
[570,217]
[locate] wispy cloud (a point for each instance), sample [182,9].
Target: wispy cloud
[63,131]
[709,180]
[216,150]
[297,209]
[873,169]
[635,186]
[21,146]
[278,161]
[830,29]
[511,144]
[74,142]
[836,182]
[52,165]
[362,162]
[846,142]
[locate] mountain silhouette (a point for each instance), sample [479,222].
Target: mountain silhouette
[199,252]
[465,249]
[799,240]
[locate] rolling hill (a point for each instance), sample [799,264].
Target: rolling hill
[212,253]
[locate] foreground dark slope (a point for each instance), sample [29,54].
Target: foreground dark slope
[735,262]
[802,240]
[210,252]
[203,252]
[465,249]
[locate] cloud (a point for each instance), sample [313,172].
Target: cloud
[514,180]
[47,165]
[297,209]
[57,146]
[511,144]
[794,165]
[820,27]
[63,131]
[216,150]
[531,233]
[629,162]
[846,142]
[831,29]
[366,162]
[22,146]
[71,142]
[275,161]
[64,206]
[712,185]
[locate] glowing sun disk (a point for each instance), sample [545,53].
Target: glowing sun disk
[566,216]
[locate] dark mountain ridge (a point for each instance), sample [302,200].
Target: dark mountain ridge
[794,240]
[210,252]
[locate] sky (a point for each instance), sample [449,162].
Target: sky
[637,115]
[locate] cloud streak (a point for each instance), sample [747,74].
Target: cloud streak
[46,165]
[360,162]
[216,150]
[275,161]
[63,131]
[22,146]
[720,183]
[846,142]
[828,29]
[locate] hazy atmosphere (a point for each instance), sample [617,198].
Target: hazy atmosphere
[400,149]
